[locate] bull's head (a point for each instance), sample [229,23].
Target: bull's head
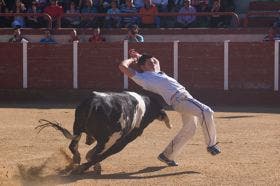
[163,117]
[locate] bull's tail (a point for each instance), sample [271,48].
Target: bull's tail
[57,126]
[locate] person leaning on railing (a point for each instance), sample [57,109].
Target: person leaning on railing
[55,11]
[186,20]
[17,37]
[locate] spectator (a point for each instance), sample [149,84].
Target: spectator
[162,7]
[133,36]
[273,34]
[128,8]
[71,21]
[47,38]
[33,21]
[17,37]
[55,11]
[216,20]
[202,21]
[186,20]
[4,22]
[73,36]
[111,20]
[97,37]
[138,4]
[42,4]
[227,6]
[148,18]
[18,20]
[87,7]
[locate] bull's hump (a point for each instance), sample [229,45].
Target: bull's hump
[101,94]
[140,109]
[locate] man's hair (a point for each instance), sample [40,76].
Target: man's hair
[143,58]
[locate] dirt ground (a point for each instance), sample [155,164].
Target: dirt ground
[249,138]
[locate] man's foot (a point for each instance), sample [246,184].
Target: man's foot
[214,150]
[164,159]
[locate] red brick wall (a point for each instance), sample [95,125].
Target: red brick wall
[201,66]
[98,66]
[251,66]
[50,66]
[10,65]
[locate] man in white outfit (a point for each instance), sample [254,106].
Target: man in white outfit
[175,95]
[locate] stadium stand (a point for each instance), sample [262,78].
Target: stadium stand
[262,13]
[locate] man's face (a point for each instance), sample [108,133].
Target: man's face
[150,65]
[187,3]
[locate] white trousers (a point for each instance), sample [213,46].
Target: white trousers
[192,111]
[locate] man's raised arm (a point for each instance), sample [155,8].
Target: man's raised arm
[124,67]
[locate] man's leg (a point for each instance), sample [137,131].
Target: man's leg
[186,133]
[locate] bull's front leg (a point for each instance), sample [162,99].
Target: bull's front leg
[96,157]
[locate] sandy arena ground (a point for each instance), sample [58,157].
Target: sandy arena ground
[249,138]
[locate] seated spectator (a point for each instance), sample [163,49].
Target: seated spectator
[217,20]
[128,8]
[47,38]
[162,7]
[111,20]
[19,21]
[55,11]
[97,36]
[71,21]
[42,4]
[33,21]
[148,18]
[17,37]
[227,6]
[138,4]
[133,36]
[4,22]
[88,7]
[202,21]
[273,34]
[73,36]
[186,21]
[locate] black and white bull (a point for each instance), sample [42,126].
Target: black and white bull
[112,120]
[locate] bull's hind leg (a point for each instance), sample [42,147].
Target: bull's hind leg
[74,149]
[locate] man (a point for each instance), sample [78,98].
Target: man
[186,20]
[133,36]
[175,95]
[17,37]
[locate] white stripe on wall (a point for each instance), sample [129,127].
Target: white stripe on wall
[125,56]
[276,65]
[75,64]
[226,64]
[24,63]
[175,59]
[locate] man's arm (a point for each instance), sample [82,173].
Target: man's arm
[124,67]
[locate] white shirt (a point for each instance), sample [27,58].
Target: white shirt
[159,83]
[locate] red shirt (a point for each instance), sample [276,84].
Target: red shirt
[148,16]
[54,11]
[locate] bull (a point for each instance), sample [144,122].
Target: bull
[112,120]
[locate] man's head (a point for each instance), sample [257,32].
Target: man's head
[147,63]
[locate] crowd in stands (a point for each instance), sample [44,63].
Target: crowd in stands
[62,12]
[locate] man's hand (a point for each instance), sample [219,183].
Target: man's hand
[134,54]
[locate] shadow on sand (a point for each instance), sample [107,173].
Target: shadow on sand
[36,179]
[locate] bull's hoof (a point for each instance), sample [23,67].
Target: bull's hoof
[97,169]
[78,170]
[76,159]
